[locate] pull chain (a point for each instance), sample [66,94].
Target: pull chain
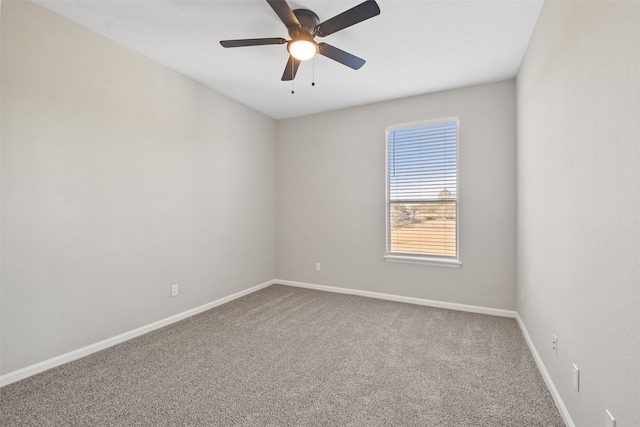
[292,76]
[313,72]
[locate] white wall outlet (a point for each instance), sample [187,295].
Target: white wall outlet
[317,266]
[611,422]
[554,344]
[576,378]
[174,290]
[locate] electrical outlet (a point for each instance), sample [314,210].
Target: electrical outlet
[554,344]
[611,422]
[174,290]
[317,266]
[576,378]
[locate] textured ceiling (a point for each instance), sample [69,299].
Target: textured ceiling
[411,48]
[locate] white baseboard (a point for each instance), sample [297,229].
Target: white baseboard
[397,298]
[28,371]
[545,376]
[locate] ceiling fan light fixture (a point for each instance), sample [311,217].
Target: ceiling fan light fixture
[302,49]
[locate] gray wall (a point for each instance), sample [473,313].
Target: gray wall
[578,204]
[119,178]
[331,198]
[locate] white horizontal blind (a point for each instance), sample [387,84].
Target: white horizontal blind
[422,189]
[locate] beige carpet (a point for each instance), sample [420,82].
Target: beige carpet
[285,356]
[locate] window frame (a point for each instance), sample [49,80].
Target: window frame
[434,260]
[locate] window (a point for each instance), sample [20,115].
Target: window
[422,192]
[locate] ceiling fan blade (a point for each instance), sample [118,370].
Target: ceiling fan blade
[252,42]
[282,9]
[291,69]
[356,14]
[340,56]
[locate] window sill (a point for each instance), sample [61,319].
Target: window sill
[438,262]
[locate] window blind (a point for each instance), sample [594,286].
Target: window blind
[422,189]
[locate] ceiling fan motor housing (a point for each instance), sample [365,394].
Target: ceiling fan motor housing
[308,22]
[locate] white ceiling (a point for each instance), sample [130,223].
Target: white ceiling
[412,47]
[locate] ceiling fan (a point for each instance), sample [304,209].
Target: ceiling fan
[303,26]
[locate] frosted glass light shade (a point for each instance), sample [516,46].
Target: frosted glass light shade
[303,49]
